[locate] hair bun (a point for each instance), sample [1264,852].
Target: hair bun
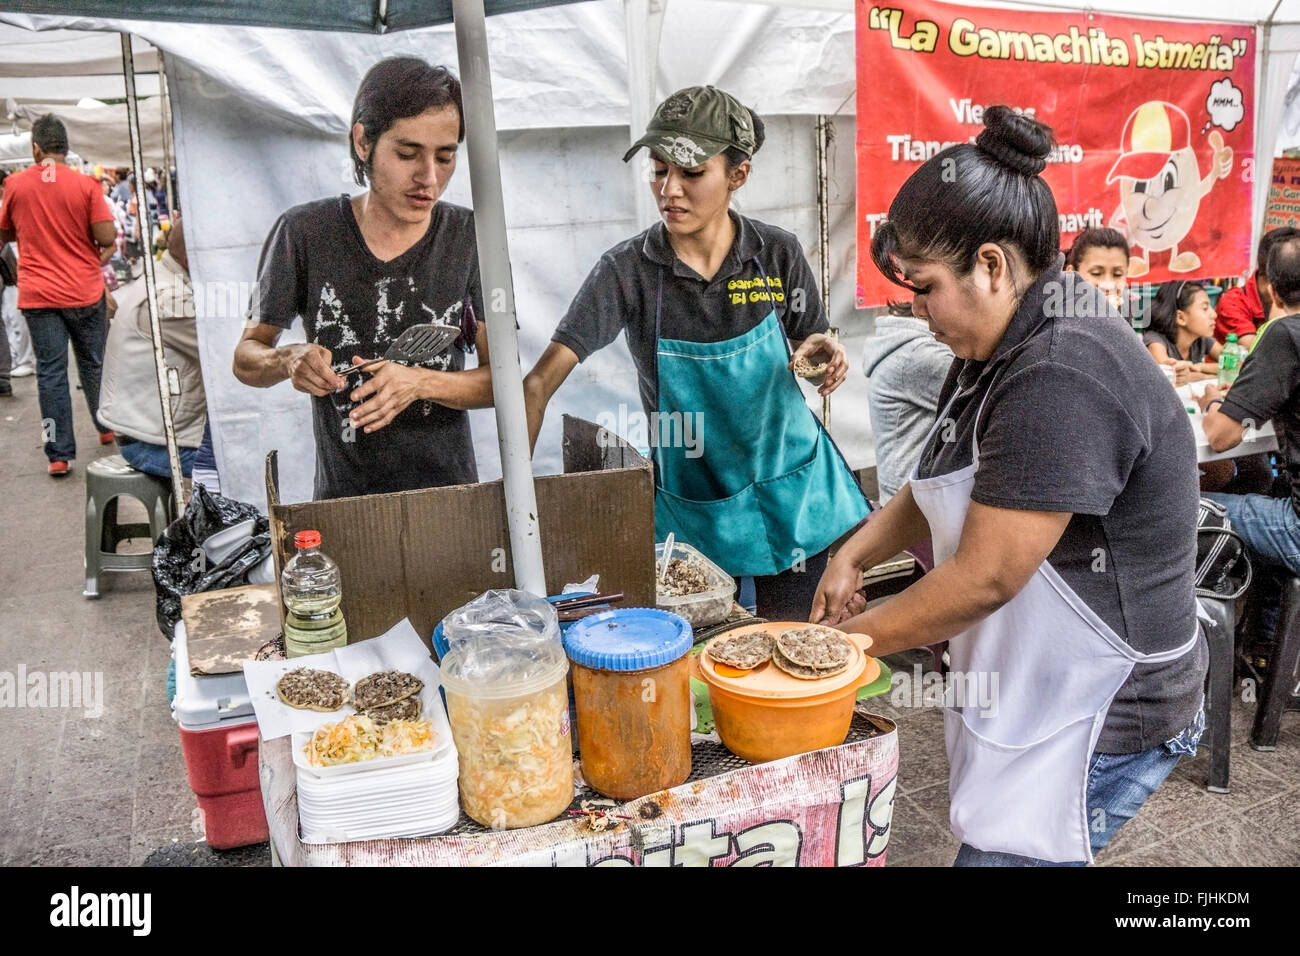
[1015,140]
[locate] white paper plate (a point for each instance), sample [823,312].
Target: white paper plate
[429,797]
[423,774]
[432,710]
[358,821]
[335,834]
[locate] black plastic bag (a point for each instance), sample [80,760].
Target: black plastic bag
[179,564]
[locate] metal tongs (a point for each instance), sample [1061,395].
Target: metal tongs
[417,344]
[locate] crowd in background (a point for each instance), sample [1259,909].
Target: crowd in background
[74,235]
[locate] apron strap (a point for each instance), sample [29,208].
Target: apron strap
[659,308]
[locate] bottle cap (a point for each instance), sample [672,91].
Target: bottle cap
[306,539]
[1232,337]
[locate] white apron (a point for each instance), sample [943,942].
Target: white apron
[1018,770]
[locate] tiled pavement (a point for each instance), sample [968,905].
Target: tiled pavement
[110,790]
[77,788]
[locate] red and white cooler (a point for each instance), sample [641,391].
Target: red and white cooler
[219,737]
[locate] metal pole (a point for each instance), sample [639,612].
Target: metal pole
[498,294]
[168,144]
[824,236]
[165,387]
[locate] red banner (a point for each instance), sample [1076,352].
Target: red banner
[1153,121]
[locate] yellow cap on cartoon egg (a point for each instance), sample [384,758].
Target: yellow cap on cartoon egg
[1152,132]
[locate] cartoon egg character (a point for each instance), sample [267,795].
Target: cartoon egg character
[1160,184]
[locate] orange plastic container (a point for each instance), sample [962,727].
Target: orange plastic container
[765,714]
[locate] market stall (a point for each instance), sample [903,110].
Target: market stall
[653,722]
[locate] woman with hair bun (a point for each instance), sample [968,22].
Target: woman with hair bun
[719,310]
[1059,489]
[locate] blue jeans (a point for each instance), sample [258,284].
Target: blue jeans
[1118,785]
[87,328]
[1269,526]
[152,459]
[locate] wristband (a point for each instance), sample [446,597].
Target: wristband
[1209,406]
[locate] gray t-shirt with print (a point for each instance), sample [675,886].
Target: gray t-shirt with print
[316,265]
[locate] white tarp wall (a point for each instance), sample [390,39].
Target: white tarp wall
[261,118]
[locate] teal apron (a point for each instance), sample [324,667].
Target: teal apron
[766,486]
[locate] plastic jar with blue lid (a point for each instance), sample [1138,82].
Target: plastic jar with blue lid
[631,684]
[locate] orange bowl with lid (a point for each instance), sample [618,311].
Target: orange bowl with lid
[766,714]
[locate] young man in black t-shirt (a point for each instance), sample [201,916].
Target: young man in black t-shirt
[361,270]
[1267,389]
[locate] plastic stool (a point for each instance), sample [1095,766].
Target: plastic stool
[1278,694]
[106,480]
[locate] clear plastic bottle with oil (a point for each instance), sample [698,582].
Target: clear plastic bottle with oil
[313,590]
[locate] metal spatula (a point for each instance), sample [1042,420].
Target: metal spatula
[417,344]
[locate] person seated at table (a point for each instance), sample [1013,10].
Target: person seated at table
[1267,389]
[1244,309]
[1181,331]
[1101,257]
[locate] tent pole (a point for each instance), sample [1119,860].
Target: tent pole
[824,235]
[150,282]
[165,102]
[498,295]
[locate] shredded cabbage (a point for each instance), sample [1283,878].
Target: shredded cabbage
[516,764]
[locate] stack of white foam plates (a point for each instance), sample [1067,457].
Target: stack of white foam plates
[406,796]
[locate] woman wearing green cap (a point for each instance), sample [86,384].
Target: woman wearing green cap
[717,308]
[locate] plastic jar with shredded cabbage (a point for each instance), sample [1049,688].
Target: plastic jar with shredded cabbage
[516,758]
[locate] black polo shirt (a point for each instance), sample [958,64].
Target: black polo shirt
[1268,389]
[1078,418]
[620,292]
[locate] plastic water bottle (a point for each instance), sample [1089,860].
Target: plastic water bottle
[1230,360]
[313,589]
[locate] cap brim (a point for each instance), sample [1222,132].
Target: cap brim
[683,149]
[1144,165]
[643,141]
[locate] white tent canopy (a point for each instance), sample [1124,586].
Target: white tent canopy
[260,116]
[71,89]
[68,53]
[99,134]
